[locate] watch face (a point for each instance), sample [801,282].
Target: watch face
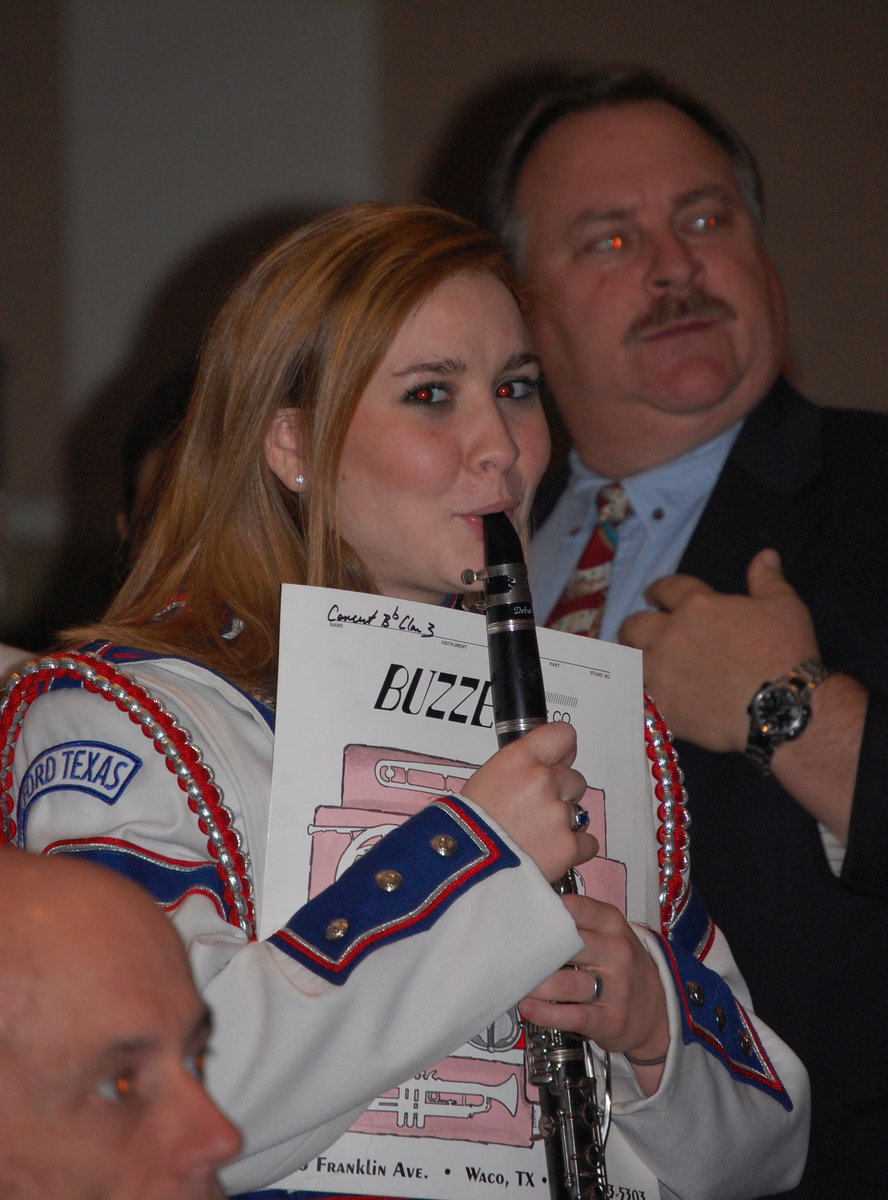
[779,712]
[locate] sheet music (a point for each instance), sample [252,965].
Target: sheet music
[380,704]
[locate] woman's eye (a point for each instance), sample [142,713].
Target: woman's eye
[117,1088]
[518,389]
[429,393]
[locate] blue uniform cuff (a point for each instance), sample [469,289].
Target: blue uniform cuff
[398,888]
[711,1015]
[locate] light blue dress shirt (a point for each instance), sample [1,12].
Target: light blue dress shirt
[667,502]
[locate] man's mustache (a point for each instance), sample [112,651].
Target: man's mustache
[694,305]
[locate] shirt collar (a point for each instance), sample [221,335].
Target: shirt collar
[667,488]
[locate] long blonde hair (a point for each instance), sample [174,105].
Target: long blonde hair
[305,328]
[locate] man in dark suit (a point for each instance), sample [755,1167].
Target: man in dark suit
[750,568]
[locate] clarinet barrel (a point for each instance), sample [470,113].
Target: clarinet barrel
[573,1122]
[516,677]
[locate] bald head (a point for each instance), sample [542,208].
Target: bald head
[72,915]
[103,1036]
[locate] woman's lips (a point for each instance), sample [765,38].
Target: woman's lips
[475,522]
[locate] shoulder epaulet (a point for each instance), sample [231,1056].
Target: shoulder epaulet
[92,672]
[124,656]
[672,815]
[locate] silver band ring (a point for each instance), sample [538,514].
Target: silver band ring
[597,982]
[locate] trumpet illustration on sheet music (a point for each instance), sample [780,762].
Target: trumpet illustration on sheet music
[429,1096]
[478,1094]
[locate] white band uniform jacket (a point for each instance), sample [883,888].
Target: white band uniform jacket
[106,770]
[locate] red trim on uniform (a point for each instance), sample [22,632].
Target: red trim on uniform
[701,954]
[462,816]
[196,891]
[765,1077]
[30,686]
[677,891]
[61,847]
[132,847]
[465,816]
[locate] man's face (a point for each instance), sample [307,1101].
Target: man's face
[100,1091]
[654,307]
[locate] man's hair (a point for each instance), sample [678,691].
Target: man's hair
[608,87]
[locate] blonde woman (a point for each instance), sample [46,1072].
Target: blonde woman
[367,393]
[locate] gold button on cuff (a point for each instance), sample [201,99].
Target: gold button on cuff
[720,1019]
[389,881]
[745,1042]
[336,930]
[444,845]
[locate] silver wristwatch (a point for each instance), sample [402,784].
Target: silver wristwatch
[780,711]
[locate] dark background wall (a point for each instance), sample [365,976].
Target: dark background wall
[147,151]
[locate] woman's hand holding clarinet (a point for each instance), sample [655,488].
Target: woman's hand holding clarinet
[611,992]
[532,791]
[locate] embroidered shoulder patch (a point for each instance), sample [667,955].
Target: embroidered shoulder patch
[100,770]
[95,767]
[169,739]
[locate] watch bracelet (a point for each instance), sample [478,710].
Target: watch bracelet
[809,673]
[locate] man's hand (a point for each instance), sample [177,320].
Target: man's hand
[706,653]
[705,656]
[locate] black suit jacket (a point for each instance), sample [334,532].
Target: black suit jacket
[813,483]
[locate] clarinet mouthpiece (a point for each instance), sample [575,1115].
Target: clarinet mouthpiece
[501,541]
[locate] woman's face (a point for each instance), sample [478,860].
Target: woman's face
[449,427]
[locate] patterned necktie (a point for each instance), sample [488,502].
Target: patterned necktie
[581,604]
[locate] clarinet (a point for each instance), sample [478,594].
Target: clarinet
[573,1122]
